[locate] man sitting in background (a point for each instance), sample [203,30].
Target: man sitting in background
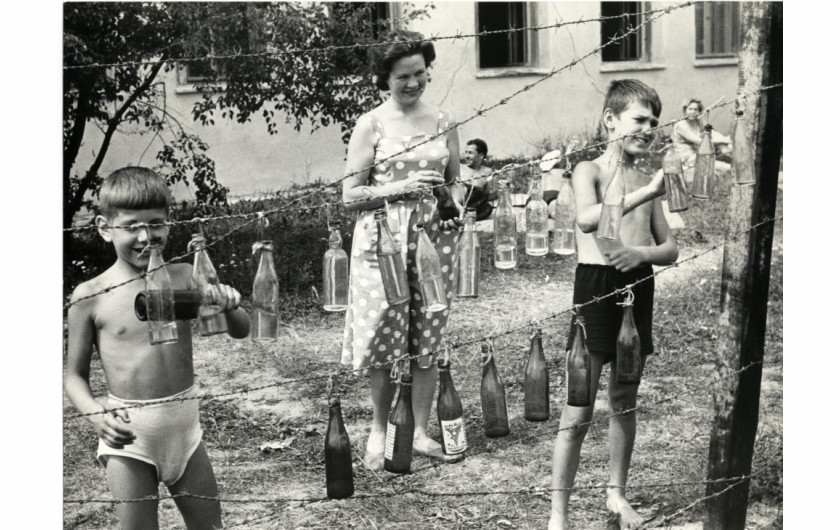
[480,188]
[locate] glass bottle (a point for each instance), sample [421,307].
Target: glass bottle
[391,265]
[186,304]
[266,295]
[428,273]
[536,381]
[469,258]
[704,166]
[493,402]
[612,207]
[211,318]
[577,367]
[563,242]
[743,162]
[628,347]
[675,188]
[450,413]
[536,219]
[160,300]
[504,230]
[399,437]
[338,455]
[336,279]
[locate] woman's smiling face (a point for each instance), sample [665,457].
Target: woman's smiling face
[408,78]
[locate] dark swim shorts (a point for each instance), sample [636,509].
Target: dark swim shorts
[603,318]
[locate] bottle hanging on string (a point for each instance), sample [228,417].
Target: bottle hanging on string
[391,265]
[743,162]
[578,367]
[493,402]
[160,300]
[504,230]
[450,413]
[186,304]
[536,219]
[563,242]
[704,166]
[675,188]
[612,207]
[469,258]
[338,455]
[266,294]
[211,318]
[429,274]
[399,437]
[628,356]
[336,272]
[536,381]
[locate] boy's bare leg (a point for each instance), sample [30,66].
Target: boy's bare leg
[198,479]
[424,381]
[128,479]
[622,436]
[381,395]
[566,457]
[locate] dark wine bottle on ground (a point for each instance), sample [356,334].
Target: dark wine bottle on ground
[450,413]
[577,368]
[536,381]
[399,438]
[493,403]
[628,357]
[338,455]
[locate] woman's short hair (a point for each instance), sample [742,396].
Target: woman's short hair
[400,43]
[693,100]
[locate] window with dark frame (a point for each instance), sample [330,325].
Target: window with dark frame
[505,49]
[629,47]
[717,29]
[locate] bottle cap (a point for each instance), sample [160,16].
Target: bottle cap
[379,213]
[405,379]
[567,175]
[443,364]
[707,127]
[335,223]
[419,226]
[739,112]
[335,402]
[580,319]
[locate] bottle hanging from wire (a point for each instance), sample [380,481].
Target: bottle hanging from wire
[336,279]
[504,230]
[449,411]
[338,455]
[704,166]
[266,294]
[612,207]
[578,371]
[211,318]
[160,300]
[429,274]
[391,264]
[469,258]
[536,218]
[563,240]
[493,402]
[536,381]
[743,162]
[675,188]
[186,304]
[628,357]
[399,436]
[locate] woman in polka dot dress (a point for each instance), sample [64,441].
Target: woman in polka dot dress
[394,139]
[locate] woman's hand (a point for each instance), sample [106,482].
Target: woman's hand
[420,181]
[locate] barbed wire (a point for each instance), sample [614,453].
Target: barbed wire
[667,518]
[362,46]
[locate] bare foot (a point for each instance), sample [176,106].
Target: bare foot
[430,448]
[375,451]
[628,518]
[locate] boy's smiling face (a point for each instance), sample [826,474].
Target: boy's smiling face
[132,244]
[636,120]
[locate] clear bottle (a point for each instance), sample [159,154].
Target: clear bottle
[469,258]
[536,381]
[429,274]
[536,219]
[211,318]
[160,300]
[563,241]
[266,295]
[612,207]
[186,304]
[399,437]
[493,402]
[743,162]
[391,265]
[336,272]
[504,230]
[675,188]
[338,455]
[578,368]
[450,413]
[628,347]
[704,166]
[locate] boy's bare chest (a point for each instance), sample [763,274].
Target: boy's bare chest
[115,317]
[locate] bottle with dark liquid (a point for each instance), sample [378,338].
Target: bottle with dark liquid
[211,318]
[160,302]
[704,166]
[186,304]
[429,274]
[266,295]
[469,258]
[338,455]
[743,162]
[536,381]
[504,230]
[675,188]
[628,357]
[612,207]
[450,413]
[336,279]
[391,265]
[536,219]
[578,368]
[399,437]
[493,402]
[563,242]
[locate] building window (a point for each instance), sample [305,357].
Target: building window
[510,48]
[718,29]
[632,47]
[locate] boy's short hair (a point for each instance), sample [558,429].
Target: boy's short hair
[622,92]
[480,145]
[133,188]
[395,45]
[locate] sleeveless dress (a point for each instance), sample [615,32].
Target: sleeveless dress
[374,331]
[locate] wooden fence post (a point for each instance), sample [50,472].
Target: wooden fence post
[746,269]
